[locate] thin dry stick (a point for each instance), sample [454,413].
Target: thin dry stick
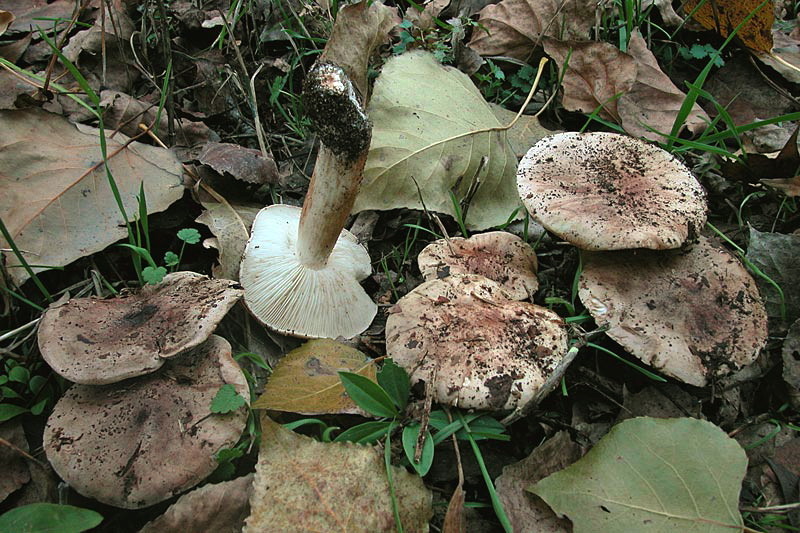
[22,452]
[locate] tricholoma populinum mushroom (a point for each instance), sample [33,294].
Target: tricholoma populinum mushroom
[95,342]
[301,269]
[136,443]
[605,191]
[500,256]
[479,349]
[694,315]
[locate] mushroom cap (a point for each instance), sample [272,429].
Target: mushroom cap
[136,443]
[604,191]
[500,256]
[95,342]
[693,314]
[293,299]
[482,350]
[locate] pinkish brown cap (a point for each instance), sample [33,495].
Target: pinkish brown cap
[95,342]
[604,191]
[500,256]
[137,443]
[692,315]
[480,349]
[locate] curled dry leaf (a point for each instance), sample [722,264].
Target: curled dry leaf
[55,190]
[230,224]
[515,27]
[785,49]
[668,15]
[305,485]
[527,512]
[13,465]
[694,315]
[723,16]
[218,508]
[245,164]
[6,18]
[359,29]
[30,14]
[96,342]
[135,445]
[306,380]
[628,88]
[125,113]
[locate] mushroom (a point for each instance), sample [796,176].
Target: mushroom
[694,315]
[474,347]
[95,342]
[498,255]
[301,269]
[604,191]
[137,443]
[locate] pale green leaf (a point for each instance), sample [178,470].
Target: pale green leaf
[430,125]
[655,475]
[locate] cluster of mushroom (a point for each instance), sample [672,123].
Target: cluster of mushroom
[669,296]
[137,426]
[466,333]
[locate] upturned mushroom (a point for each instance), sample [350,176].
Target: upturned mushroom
[500,256]
[136,443]
[474,347]
[301,269]
[604,191]
[694,315]
[95,342]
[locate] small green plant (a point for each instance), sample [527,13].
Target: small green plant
[24,389]
[49,517]
[153,274]
[388,398]
[701,51]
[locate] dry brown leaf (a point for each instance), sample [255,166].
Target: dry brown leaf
[629,88]
[244,164]
[527,512]
[12,463]
[654,100]
[124,113]
[454,520]
[515,27]
[6,18]
[789,186]
[305,381]
[785,54]
[597,75]
[359,29]
[305,485]
[32,13]
[424,19]
[217,508]
[56,201]
[230,225]
[723,16]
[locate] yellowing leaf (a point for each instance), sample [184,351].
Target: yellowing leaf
[430,126]
[306,381]
[679,474]
[723,16]
[56,201]
[305,485]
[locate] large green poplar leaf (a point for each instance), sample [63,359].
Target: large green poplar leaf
[430,125]
[653,475]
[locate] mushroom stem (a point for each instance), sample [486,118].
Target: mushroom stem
[345,132]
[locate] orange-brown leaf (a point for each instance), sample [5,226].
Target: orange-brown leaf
[723,16]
